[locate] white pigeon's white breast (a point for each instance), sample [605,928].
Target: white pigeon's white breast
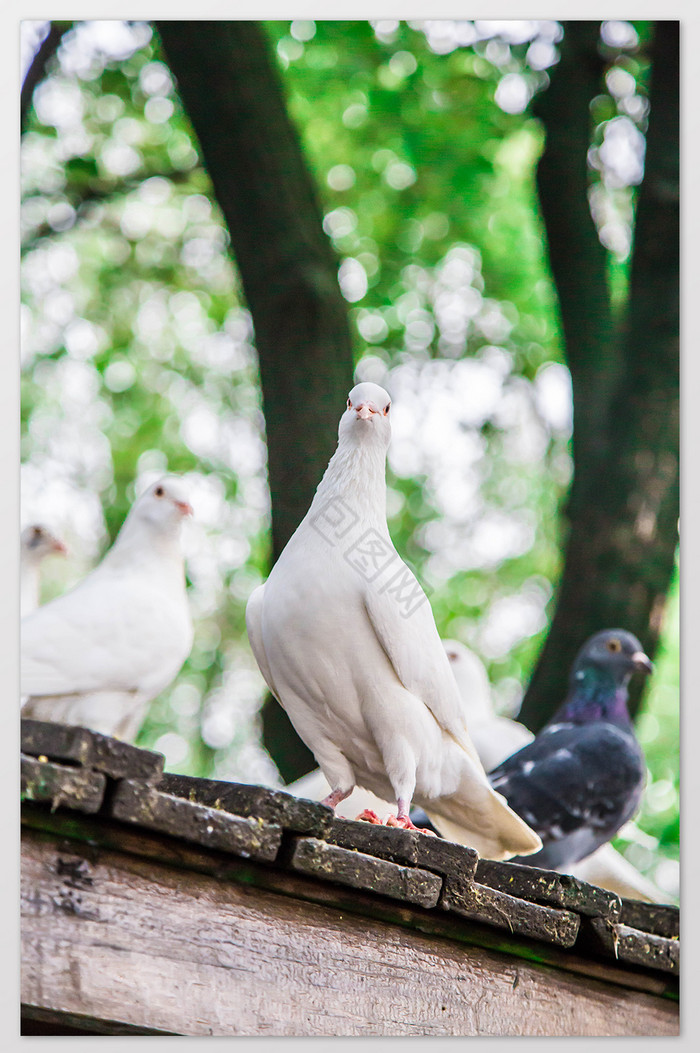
[317,638]
[158,633]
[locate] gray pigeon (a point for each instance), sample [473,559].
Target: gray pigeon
[583,776]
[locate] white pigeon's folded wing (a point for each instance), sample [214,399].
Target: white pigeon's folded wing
[403,622]
[91,639]
[253,622]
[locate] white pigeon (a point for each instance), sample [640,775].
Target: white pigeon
[346,641]
[98,654]
[497,738]
[35,544]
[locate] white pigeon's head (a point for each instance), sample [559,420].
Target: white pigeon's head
[37,542]
[163,504]
[472,680]
[366,418]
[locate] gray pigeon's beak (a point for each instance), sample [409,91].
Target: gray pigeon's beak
[642,662]
[365,411]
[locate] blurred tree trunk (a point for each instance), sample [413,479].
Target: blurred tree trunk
[37,68]
[234,99]
[622,513]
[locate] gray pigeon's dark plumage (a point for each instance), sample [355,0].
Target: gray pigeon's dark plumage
[583,775]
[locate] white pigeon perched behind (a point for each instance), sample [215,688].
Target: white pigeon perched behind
[98,654]
[608,868]
[495,737]
[35,544]
[346,641]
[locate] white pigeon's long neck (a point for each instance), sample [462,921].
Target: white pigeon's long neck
[142,544]
[356,474]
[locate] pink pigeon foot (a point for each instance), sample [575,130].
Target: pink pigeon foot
[335,797]
[368,816]
[404,822]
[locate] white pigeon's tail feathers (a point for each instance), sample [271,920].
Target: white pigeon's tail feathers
[493,829]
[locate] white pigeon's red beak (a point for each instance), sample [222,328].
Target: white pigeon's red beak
[58,547]
[184,508]
[365,410]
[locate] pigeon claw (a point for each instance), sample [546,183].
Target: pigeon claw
[368,816]
[404,823]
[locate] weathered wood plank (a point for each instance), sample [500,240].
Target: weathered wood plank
[482,903]
[275,806]
[89,749]
[632,946]
[143,944]
[358,870]
[135,802]
[660,918]
[77,788]
[404,846]
[548,886]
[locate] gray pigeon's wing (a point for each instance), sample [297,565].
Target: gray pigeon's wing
[575,782]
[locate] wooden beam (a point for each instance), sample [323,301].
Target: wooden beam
[91,837]
[112,937]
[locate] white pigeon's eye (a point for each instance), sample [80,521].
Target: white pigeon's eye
[159,491]
[349,404]
[386,409]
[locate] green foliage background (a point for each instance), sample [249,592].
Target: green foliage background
[138,350]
